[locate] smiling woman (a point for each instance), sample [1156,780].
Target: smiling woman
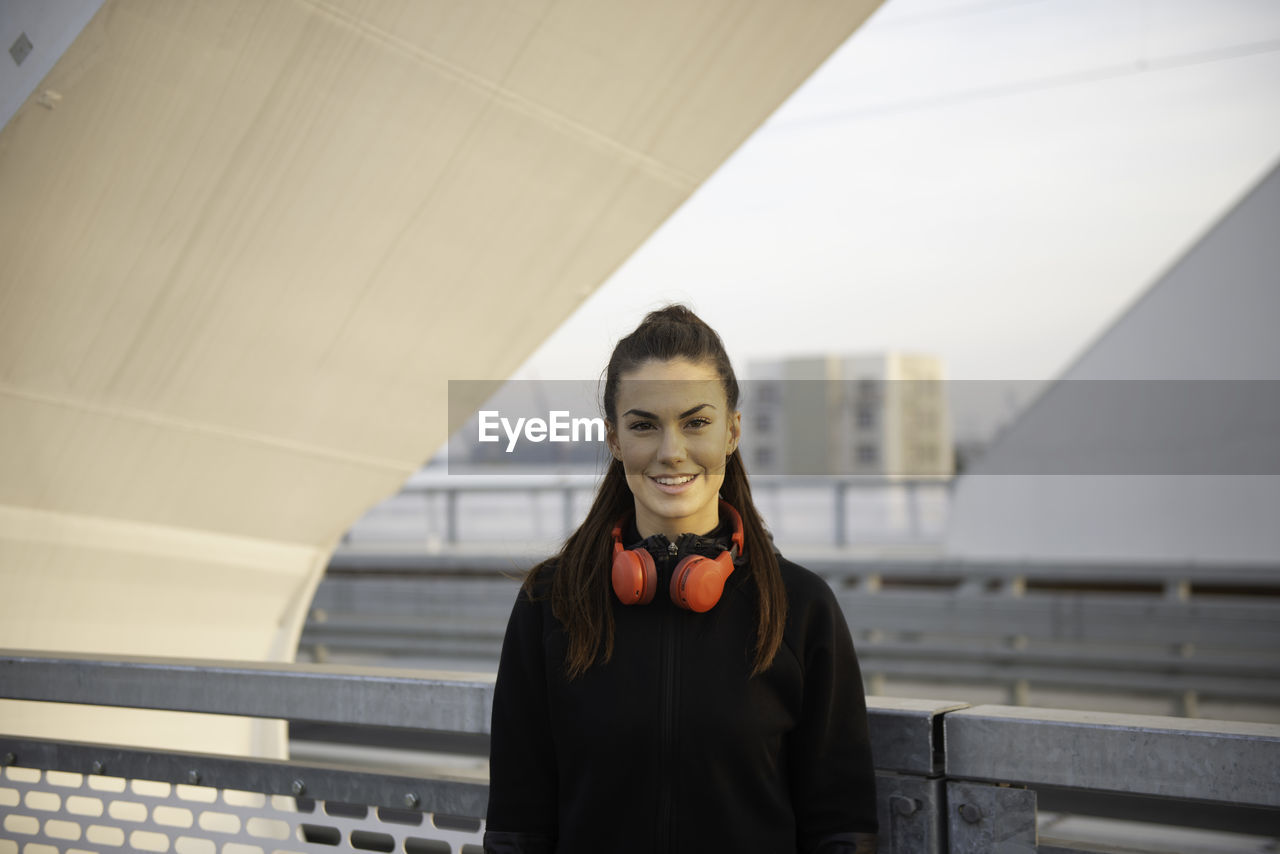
[674,438]
[724,714]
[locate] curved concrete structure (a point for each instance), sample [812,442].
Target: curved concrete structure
[247,243]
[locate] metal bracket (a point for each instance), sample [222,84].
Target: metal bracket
[911,814]
[986,819]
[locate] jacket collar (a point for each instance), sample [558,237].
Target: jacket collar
[710,544]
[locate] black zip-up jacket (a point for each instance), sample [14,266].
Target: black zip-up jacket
[670,747]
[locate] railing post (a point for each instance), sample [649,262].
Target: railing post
[842,535]
[912,814]
[915,526]
[451,516]
[567,519]
[1189,704]
[910,789]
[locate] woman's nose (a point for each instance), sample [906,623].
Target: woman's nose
[672,447]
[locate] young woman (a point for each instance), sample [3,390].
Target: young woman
[668,681]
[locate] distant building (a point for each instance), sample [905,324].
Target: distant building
[883,414]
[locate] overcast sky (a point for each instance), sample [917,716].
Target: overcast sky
[989,181]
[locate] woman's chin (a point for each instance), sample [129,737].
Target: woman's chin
[691,509]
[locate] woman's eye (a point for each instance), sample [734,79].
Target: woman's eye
[699,422]
[640,426]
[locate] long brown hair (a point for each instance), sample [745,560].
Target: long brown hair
[581,589]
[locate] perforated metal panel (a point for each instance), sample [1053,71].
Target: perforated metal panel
[53,812]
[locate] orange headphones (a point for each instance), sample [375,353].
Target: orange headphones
[696,583]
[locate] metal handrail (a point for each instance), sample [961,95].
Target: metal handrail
[357,697]
[838,566]
[460,702]
[943,768]
[1161,639]
[571,487]
[1222,761]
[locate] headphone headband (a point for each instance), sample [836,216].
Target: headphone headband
[738,538]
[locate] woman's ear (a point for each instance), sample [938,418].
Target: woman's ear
[735,432]
[611,439]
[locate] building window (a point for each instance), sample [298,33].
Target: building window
[867,454]
[866,416]
[764,457]
[764,423]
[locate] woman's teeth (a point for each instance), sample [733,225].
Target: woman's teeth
[674,481]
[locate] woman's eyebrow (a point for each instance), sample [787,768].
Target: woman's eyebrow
[651,416]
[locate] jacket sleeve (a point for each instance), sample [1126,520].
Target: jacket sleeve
[521,817]
[832,777]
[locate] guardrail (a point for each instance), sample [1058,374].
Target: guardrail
[1185,633]
[951,778]
[839,511]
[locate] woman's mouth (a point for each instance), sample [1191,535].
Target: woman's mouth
[673,484]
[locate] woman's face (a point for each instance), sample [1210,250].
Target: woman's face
[673,434]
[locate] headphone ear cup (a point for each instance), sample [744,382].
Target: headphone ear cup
[698,581]
[635,577]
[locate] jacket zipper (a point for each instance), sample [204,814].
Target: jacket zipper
[665,818]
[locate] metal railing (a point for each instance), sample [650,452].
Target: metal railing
[75,795]
[951,778]
[447,511]
[1186,634]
